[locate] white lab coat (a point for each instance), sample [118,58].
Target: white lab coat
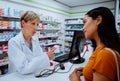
[22,59]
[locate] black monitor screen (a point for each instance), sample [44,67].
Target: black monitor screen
[78,43]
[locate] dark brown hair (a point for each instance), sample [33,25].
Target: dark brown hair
[106,29]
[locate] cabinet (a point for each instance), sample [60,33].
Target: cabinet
[9,26]
[72,25]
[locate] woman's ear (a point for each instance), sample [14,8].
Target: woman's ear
[22,21]
[99,20]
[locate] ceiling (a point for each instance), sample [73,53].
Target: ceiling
[77,3]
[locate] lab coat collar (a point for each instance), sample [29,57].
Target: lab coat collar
[22,39]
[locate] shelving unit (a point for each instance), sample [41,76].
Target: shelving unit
[8,29]
[8,18]
[72,25]
[48,34]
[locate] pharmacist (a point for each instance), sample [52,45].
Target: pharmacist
[24,51]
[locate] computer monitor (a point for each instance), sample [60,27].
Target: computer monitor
[77,47]
[78,43]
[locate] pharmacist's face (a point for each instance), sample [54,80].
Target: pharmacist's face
[30,27]
[90,27]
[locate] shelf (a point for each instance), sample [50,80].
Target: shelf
[73,29]
[4,63]
[74,24]
[73,19]
[9,29]
[68,40]
[69,34]
[43,37]
[3,18]
[4,41]
[51,44]
[50,22]
[3,55]
[67,46]
[3,59]
[47,29]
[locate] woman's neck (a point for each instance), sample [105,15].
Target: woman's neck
[27,37]
[98,42]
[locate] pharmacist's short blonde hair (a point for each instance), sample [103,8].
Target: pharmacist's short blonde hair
[29,16]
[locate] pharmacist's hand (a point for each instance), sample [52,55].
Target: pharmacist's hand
[75,76]
[51,53]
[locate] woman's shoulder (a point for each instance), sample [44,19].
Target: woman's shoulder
[17,38]
[105,63]
[105,54]
[14,38]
